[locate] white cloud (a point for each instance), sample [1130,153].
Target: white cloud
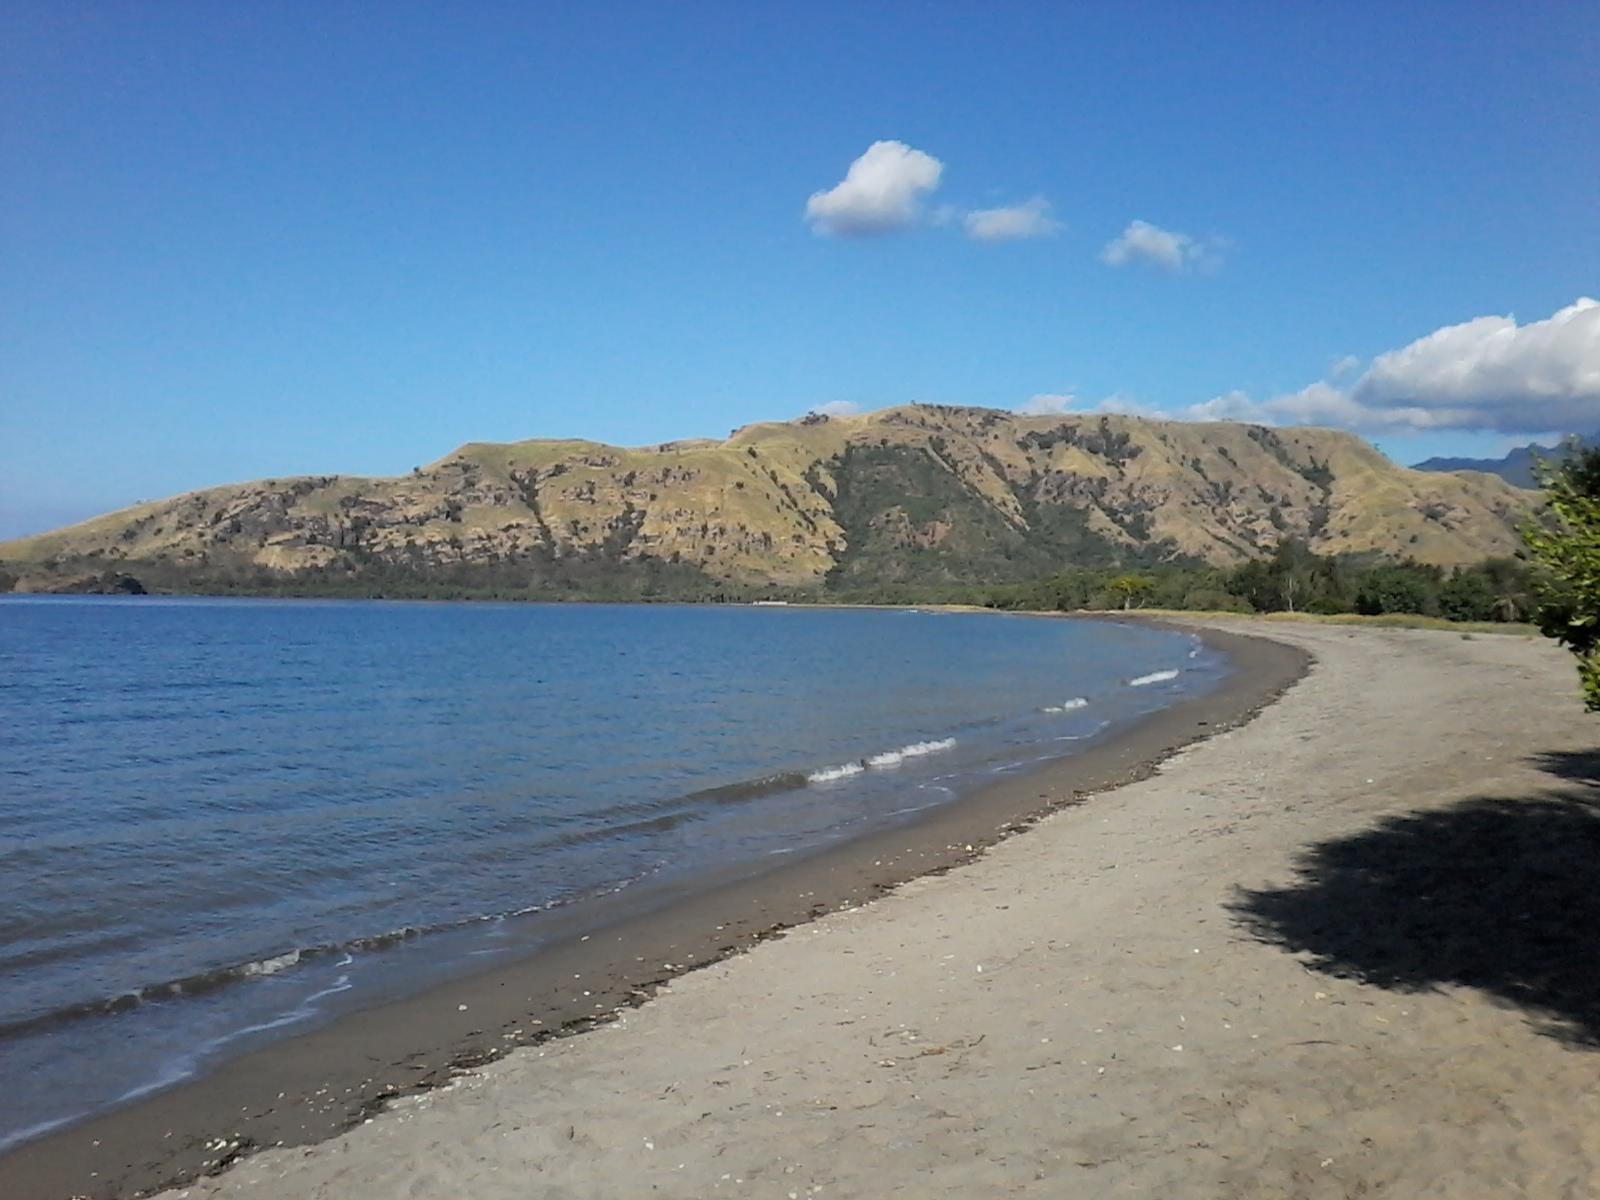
[837,408]
[1491,373]
[1487,374]
[1318,404]
[1164,249]
[1129,407]
[1047,404]
[881,192]
[1343,367]
[1030,219]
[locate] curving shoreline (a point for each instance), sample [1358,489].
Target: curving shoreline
[314,1086]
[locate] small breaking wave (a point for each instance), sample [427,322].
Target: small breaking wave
[199,984]
[268,966]
[1081,737]
[1153,677]
[893,758]
[879,762]
[205,982]
[829,774]
[1066,705]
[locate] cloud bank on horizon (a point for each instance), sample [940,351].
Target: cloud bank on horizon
[1488,374]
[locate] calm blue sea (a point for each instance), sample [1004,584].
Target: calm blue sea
[223,821]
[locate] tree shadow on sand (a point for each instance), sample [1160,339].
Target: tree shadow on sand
[1501,894]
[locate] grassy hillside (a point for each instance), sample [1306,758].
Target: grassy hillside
[920,494]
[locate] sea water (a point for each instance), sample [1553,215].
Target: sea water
[225,821]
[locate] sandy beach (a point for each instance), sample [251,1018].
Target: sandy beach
[1346,949]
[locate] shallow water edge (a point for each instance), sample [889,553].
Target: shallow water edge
[311,1087]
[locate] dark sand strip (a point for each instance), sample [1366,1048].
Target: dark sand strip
[312,1087]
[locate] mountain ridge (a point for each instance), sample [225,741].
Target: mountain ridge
[1518,466]
[920,493]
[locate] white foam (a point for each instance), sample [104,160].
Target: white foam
[271,966]
[1078,737]
[303,1011]
[1068,705]
[829,774]
[893,758]
[1153,677]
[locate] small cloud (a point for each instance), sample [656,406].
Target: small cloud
[881,192]
[1030,219]
[1230,406]
[837,408]
[1127,406]
[1164,249]
[1050,404]
[1505,443]
[1046,404]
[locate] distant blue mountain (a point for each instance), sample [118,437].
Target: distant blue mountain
[1516,467]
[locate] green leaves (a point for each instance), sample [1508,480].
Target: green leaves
[1566,547]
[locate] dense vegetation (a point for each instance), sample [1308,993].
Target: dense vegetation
[1293,579]
[573,577]
[1567,550]
[912,525]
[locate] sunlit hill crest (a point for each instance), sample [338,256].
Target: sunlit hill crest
[916,494]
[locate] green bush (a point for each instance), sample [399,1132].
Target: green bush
[1567,549]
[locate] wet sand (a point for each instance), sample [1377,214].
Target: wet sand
[311,1088]
[1345,949]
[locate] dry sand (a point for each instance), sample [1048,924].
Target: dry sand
[1347,950]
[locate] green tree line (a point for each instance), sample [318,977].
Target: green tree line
[1292,579]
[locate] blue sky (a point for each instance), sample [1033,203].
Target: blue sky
[250,240]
